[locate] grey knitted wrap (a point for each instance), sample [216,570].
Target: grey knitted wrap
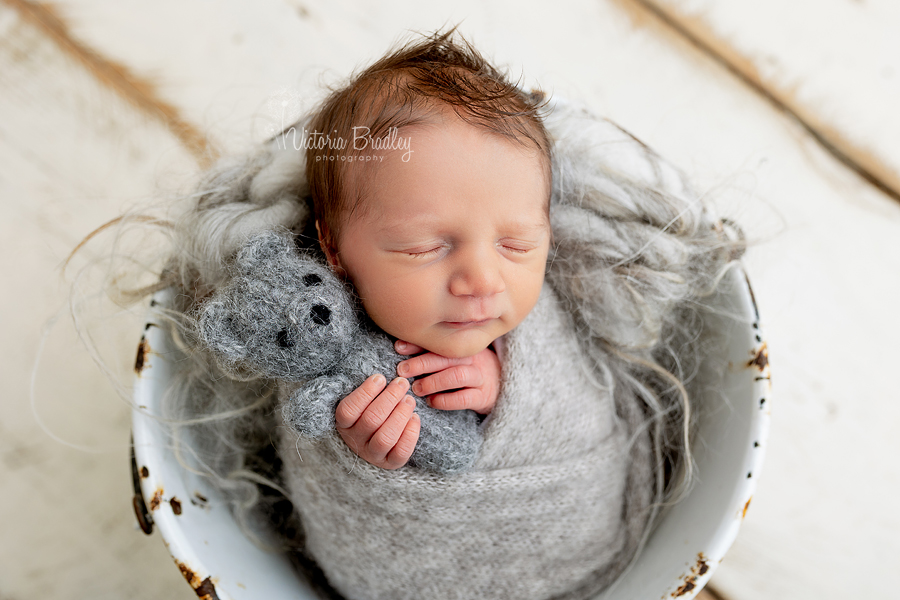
[590,431]
[539,515]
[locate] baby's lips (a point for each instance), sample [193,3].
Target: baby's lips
[480,317]
[468,323]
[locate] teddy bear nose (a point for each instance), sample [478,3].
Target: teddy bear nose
[311,279]
[321,314]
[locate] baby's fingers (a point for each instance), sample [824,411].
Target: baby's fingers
[350,408]
[405,444]
[466,399]
[460,376]
[388,434]
[407,348]
[429,363]
[380,409]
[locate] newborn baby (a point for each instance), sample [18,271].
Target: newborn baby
[440,220]
[546,282]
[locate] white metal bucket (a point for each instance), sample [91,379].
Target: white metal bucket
[221,563]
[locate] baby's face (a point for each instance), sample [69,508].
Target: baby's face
[449,250]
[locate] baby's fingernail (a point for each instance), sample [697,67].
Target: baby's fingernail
[400,345]
[403,368]
[409,401]
[402,382]
[377,379]
[416,387]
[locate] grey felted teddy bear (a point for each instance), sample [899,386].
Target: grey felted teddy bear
[284,315]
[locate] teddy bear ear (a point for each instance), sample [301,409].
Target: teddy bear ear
[219,331]
[264,248]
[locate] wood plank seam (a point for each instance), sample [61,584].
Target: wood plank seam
[863,163]
[135,89]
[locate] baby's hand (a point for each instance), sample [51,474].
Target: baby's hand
[456,383]
[377,422]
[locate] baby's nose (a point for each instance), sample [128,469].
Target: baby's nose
[477,275]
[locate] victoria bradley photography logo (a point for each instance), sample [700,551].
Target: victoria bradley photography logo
[360,141]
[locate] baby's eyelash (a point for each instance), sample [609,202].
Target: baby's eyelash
[424,253]
[515,249]
[518,249]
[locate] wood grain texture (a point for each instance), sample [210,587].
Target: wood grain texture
[137,90]
[827,246]
[74,153]
[833,64]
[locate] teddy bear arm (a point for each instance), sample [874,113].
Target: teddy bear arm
[310,408]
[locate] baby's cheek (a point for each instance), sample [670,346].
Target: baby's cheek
[526,296]
[407,315]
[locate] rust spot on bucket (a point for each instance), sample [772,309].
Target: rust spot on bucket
[761,360]
[140,360]
[684,589]
[205,589]
[145,472]
[699,569]
[186,572]
[175,503]
[156,499]
[746,506]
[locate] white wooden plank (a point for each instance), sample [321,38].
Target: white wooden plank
[73,155]
[834,63]
[827,306]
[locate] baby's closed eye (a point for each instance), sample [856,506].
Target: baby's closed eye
[433,251]
[507,245]
[518,247]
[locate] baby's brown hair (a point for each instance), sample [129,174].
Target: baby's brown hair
[409,86]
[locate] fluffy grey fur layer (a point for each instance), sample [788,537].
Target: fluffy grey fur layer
[635,256]
[285,316]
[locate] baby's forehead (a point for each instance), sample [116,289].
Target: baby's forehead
[408,162]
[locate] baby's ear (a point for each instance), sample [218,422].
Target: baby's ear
[219,331]
[265,248]
[329,248]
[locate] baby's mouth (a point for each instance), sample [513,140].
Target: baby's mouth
[465,324]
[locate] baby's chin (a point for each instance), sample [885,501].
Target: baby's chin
[458,346]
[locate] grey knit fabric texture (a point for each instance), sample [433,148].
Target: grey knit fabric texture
[284,315]
[543,513]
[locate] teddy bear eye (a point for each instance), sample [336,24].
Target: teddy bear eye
[321,314]
[311,279]
[284,339]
